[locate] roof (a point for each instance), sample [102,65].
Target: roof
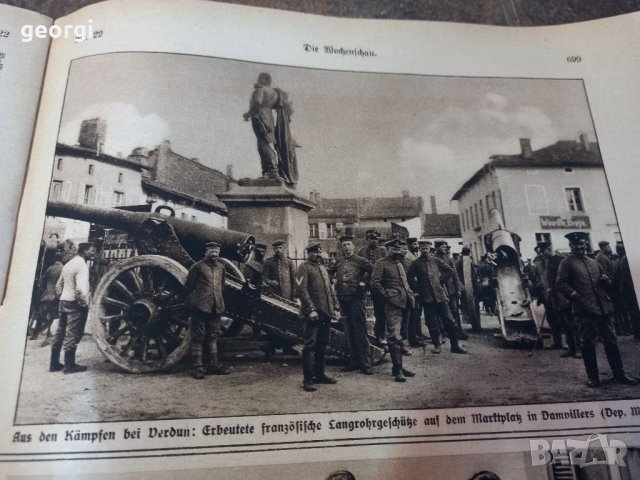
[368,208]
[186,179]
[83,152]
[565,153]
[442,225]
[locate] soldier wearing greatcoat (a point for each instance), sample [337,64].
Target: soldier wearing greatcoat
[389,282]
[424,277]
[583,282]
[318,305]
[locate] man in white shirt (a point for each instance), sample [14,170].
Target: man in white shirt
[73,289]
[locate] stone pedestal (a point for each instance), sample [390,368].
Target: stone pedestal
[269,210]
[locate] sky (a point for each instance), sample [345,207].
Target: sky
[361,134]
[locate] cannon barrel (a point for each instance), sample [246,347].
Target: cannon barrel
[193,236]
[502,241]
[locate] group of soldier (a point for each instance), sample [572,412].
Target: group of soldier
[577,293]
[404,278]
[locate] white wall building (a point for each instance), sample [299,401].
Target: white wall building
[542,195]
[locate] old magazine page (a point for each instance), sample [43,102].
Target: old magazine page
[260,244]
[21,71]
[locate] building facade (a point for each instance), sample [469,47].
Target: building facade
[541,195]
[334,217]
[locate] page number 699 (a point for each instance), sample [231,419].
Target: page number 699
[574,59]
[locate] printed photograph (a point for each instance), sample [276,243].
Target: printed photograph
[227,238]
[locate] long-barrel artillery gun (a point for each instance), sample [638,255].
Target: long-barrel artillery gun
[515,314]
[137,313]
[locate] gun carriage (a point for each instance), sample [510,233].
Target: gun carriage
[137,313]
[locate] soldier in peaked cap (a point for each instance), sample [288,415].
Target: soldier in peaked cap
[203,287]
[279,272]
[452,284]
[582,281]
[318,305]
[374,252]
[353,273]
[411,330]
[389,281]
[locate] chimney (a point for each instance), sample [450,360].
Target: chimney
[92,134]
[434,209]
[229,170]
[525,146]
[584,141]
[405,193]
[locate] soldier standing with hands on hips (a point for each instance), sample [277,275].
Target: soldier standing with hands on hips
[582,280]
[318,307]
[204,298]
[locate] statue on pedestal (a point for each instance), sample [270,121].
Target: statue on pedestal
[276,146]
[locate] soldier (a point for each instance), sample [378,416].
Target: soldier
[204,298]
[374,252]
[424,277]
[452,285]
[626,292]
[73,289]
[318,307]
[582,281]
[411,323]
[278,273]
[557,308]
[49,301]
[389,282]
[352,276]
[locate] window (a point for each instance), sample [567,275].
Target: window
[56,190]
[462,223]
[477,218]
[331,230]
[118,199]
[493,200]
[481,212]
[468,219]
[120,177]
[89,195]
[59,165]
[536,199]
[574,199]
[91,169]
[543,237]
[488,205]
[313,230]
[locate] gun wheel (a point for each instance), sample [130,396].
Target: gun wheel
[138,315]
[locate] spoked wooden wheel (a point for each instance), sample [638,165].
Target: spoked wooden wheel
[138,315]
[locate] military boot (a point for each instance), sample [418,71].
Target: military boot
[70,365]
[54,363]
[307,371]
[214,366]
[198,370]
[395,352]
[453,337]
[615,362]
[591,366]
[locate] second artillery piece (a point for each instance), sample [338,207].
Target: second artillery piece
[137,313]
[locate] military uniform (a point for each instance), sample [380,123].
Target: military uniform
[389,282]
[204,285]
[373,254]
[424,278]
[582,281]
[317,308]
[278,276]
[627,293]
[453,286]
[352,274]
[49,301]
